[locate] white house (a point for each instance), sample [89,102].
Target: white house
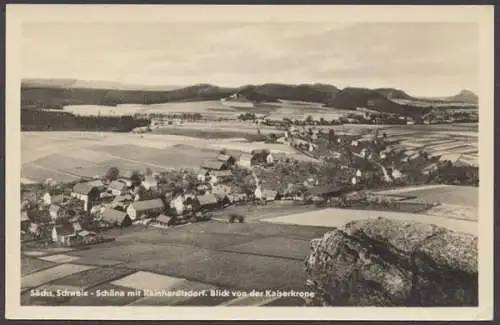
[55,212]
[202,175]
[354,180]
[270,159]
[246,161]
[150,183]
[47,198]
[358,173]
[396,173]
[178,204]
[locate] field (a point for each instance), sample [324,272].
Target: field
[203,256]
[210,108]
[68,156]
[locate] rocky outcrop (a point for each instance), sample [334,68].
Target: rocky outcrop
[388,262]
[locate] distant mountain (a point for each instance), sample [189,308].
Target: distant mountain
[352,98]
[317,93]
[96,84]
[465,96]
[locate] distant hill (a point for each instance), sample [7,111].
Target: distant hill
[53,96]
[352,98]
[465,96]
[316,93]
[392,93]
[40,93]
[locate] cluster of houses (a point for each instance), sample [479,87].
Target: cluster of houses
[122,201]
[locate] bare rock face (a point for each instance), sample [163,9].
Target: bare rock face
[388,262]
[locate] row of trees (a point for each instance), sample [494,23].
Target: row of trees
[40,120]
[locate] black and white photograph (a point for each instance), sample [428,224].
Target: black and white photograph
[223,160]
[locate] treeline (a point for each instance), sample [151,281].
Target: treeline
[39,120]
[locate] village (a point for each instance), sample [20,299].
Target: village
[79,213]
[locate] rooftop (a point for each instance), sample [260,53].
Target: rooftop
[212,164]
[148,205]
[112,215]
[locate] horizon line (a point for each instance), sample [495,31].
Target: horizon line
[145,86]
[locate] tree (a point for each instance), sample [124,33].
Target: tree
[136,178]
[112,174]
[332,138]
[149,172]
[223,151]
[271,138]
[309,119]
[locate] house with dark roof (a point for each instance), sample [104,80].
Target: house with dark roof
[118,188]
[88,192]
[145,209]
[226,159]
[213,165]
[208,202]
[221,175]
[116,218]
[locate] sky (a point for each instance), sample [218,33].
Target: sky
[424,59]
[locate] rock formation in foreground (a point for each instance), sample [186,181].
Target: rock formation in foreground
[388,262]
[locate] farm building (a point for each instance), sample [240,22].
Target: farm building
[88,192]
[162,220]
[246,161]
[226,159]
[116,218]
[208,202]
[221,175]
[145,209]
[118,188]
[213,165]
[150,183]
[63,234]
